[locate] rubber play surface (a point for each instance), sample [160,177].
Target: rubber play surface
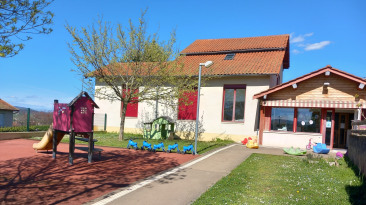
[27,177]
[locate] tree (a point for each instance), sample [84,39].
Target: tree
[18,20]
[134,67]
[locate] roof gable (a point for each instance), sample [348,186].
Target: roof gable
[6,106]
[82,94]
[321,71]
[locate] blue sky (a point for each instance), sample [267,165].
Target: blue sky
[322,33]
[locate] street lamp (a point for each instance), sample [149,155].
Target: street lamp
[207,64]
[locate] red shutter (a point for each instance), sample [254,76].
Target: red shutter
[188,112]
[132,107]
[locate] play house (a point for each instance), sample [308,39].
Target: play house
[160,128]
[318,106]
[75,118]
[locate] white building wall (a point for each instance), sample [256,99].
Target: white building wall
[210,111]
[290,139]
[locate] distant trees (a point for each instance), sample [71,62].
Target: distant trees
[19,19]
[36,118]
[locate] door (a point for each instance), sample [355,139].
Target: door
[342,123]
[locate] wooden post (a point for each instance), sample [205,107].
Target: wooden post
[332,130]
[54,144]
[90,148]
[71,147]
[72,138]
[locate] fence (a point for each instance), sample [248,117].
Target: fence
[357,145]
[100,122]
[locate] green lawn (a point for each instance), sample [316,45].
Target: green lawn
[111,139]
[268,179]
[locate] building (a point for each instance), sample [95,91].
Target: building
[242,67]
[319,106]
[6,114]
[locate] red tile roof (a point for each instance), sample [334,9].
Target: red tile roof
[308,76]
[231,44]
[6,106]
[243,63]
[253,55]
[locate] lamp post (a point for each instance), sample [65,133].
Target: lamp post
[207,64]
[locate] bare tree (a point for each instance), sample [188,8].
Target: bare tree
[134,66]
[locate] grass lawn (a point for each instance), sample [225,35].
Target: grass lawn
[269,179]
[111,140]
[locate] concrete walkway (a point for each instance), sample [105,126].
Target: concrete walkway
[183,185]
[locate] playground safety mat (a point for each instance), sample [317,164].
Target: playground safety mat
[27,177]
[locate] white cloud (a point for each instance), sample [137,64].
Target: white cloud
[299,38]
[309,34]
[295,51]
[316,46]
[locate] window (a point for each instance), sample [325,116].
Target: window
[308,120]
[188,110]
[234,103]
[282,119]
[132,107]
[230,56]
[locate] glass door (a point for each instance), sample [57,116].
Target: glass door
[328,127]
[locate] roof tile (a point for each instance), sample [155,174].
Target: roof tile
[228,44]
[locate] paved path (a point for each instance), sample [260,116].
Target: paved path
[183,185]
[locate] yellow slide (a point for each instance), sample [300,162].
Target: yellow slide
[46,142]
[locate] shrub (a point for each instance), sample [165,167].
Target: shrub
[24,128]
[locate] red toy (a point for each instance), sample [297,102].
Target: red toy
[245,141]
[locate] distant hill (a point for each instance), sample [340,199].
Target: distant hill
[36,117]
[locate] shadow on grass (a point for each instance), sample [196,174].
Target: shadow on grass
[357,194]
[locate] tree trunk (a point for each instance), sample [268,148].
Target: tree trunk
[122,124]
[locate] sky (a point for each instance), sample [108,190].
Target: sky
[327,32]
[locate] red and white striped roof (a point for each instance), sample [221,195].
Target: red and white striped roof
[314,104]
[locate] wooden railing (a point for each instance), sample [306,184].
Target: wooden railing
[359,127]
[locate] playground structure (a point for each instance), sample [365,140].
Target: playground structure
[133,144]
[146,145]
[173,147]
[159,128]
[74,118]
[187,149]
[159,146]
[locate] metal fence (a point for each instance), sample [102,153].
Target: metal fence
[100,122]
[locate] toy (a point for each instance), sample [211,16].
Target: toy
[133,144]
[339,155]
[159,146]
[173,147]
[146,145]
[293,151]
[188,148]
[308,146]
[252,144]
[245,141]
[321,148]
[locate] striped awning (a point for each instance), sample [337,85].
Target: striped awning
[314,103]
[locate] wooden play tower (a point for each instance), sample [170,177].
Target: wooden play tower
[75,118]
